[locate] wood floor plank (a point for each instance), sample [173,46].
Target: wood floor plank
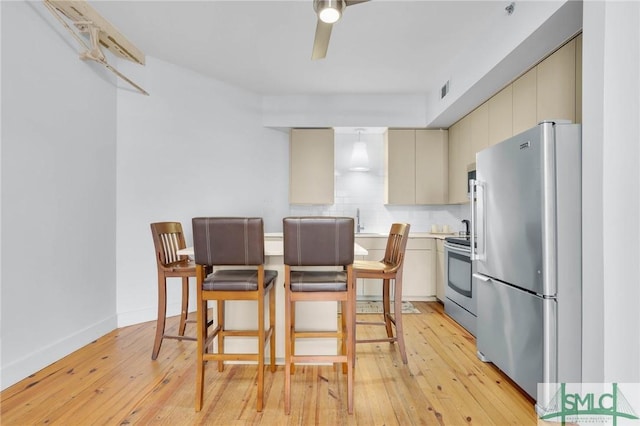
[113,381]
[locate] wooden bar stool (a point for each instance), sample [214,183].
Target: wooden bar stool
[168,239]
[311,245]
[234,249]
[389,270]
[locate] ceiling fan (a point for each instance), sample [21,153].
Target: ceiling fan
[329,12]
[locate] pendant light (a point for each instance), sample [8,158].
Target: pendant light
[359,155]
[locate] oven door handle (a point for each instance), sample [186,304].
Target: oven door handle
[456,249]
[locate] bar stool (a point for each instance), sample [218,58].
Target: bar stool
[389,270]
[168,238]
[236,243]
[311,244]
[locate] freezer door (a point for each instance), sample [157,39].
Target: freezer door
[510,331]
[510,210]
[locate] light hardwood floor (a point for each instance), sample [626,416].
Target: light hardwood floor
[113,381]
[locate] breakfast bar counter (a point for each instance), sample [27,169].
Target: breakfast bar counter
[309,315]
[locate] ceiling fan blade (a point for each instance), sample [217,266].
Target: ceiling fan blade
[321,41]
[352,2]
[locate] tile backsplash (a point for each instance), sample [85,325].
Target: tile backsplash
[365,191]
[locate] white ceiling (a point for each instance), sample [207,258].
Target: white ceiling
[383,46]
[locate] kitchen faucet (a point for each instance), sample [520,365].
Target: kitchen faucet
[359,227]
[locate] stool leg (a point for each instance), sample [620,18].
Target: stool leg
[292,312]
[221,333]
[288,342]
[350,343]
[201,312]
[261,344]
[345,334]
[162,315]
[398,318]
[272,326]
[386,307]
[185,305]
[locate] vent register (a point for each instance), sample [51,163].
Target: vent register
[87,21]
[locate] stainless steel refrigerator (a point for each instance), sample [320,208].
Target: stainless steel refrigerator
[526,230]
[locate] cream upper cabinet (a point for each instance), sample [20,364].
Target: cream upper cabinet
[311,166]
[458,161]
[432,166]
[501,115]
[416,163]
[400,175]
[556,88]
[524,102]
[479,132]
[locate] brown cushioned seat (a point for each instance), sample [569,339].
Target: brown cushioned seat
[237,280]
[318,281]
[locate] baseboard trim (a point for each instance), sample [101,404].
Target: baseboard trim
[35,361]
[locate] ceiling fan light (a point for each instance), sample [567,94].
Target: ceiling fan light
[329,11]
[329,15]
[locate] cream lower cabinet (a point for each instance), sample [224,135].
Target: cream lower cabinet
[419,273]
[440,278]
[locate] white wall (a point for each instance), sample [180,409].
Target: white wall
[368,110]
[194,147]
[58,194]
[611,180]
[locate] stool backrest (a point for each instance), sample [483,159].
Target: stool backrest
[396,243]
[168,238]
[318,241]
[228,240]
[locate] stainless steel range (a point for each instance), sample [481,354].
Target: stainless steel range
[460,302]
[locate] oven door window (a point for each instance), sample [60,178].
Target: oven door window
[459,276]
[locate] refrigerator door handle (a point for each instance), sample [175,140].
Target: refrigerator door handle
[477,220]
[481,277]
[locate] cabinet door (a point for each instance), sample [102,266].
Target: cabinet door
[458,145]
[311,166]
[400,178]
[440,291]
[479,132]
[501,115]
[556,87]
[524,102]
[432,169]
[419,274]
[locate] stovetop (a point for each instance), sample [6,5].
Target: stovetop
[463,241]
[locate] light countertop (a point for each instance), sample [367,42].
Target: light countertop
[275,248]
[439,236]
